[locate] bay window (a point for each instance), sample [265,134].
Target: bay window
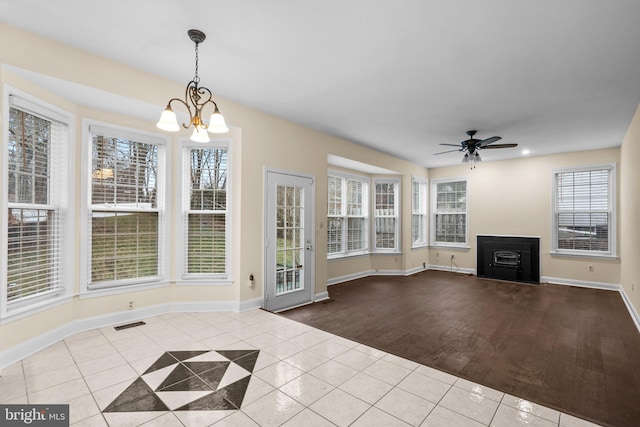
[34,243]
[347,216]
[126,207]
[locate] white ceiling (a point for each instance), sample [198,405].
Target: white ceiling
[400,76]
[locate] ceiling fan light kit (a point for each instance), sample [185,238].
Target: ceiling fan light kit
[195,99]
[472,145]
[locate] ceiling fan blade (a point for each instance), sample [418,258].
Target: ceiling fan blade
[450,151]
[501,146]
[485,142]
[451,145]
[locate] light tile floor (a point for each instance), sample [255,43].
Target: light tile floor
[277,371]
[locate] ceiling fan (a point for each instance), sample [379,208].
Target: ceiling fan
[471,147]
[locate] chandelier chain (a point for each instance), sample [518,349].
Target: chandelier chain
[196,78]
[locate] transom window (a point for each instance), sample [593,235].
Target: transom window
[583,211]
[449,212]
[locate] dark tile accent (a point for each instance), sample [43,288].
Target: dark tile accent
[180,373]
[184,355]
[248,362]
[200,367]
[211,402]
[163,361]
[235,392]
[235,354]
[213,376]
[148,403]
[190,384]
[138,390]
[189,376]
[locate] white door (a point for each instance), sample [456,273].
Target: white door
[289,241]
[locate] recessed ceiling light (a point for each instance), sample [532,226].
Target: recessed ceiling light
[526,152]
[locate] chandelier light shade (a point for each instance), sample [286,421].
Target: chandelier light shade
[195,99]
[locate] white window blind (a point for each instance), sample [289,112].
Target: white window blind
[584,210]
[125,214]
[206,207]
[386,212]
[347,215]
[450,212]
[36,181]
[418,212]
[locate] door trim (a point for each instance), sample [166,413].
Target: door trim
[266,171]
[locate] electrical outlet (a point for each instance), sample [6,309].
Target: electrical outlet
[451,257]
[590,268]
[424,265]
[130,305]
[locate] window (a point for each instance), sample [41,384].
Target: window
[583,211]
[449,212]
[347,218]
[387,215]
[125,208]
[418,212]
[37,151]
[206,201]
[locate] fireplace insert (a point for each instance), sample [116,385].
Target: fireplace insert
[509,258]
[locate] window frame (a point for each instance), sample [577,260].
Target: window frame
[345,177]
[89,127]
[397,214]
[611,212]
[63,175]
[422,212]
[207,279]
[434,212]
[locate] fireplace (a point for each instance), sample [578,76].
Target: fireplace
[511,258]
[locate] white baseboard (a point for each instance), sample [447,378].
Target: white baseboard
[321,296]
[250,304]
[630,308]
[25,349]
[580,283]
[414,271]
[599,285]
[348,277]
[360,275]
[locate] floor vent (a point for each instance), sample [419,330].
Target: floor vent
[129,325]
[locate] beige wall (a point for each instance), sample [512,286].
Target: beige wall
[630,206]
[514,197]
[263,141]
[260,141]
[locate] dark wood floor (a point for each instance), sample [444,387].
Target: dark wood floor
[573,349]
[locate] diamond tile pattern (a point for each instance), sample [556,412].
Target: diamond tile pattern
[188,376]
[289,375]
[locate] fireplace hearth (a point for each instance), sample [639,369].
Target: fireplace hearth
[511,258]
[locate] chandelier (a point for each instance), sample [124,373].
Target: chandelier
[195,99]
